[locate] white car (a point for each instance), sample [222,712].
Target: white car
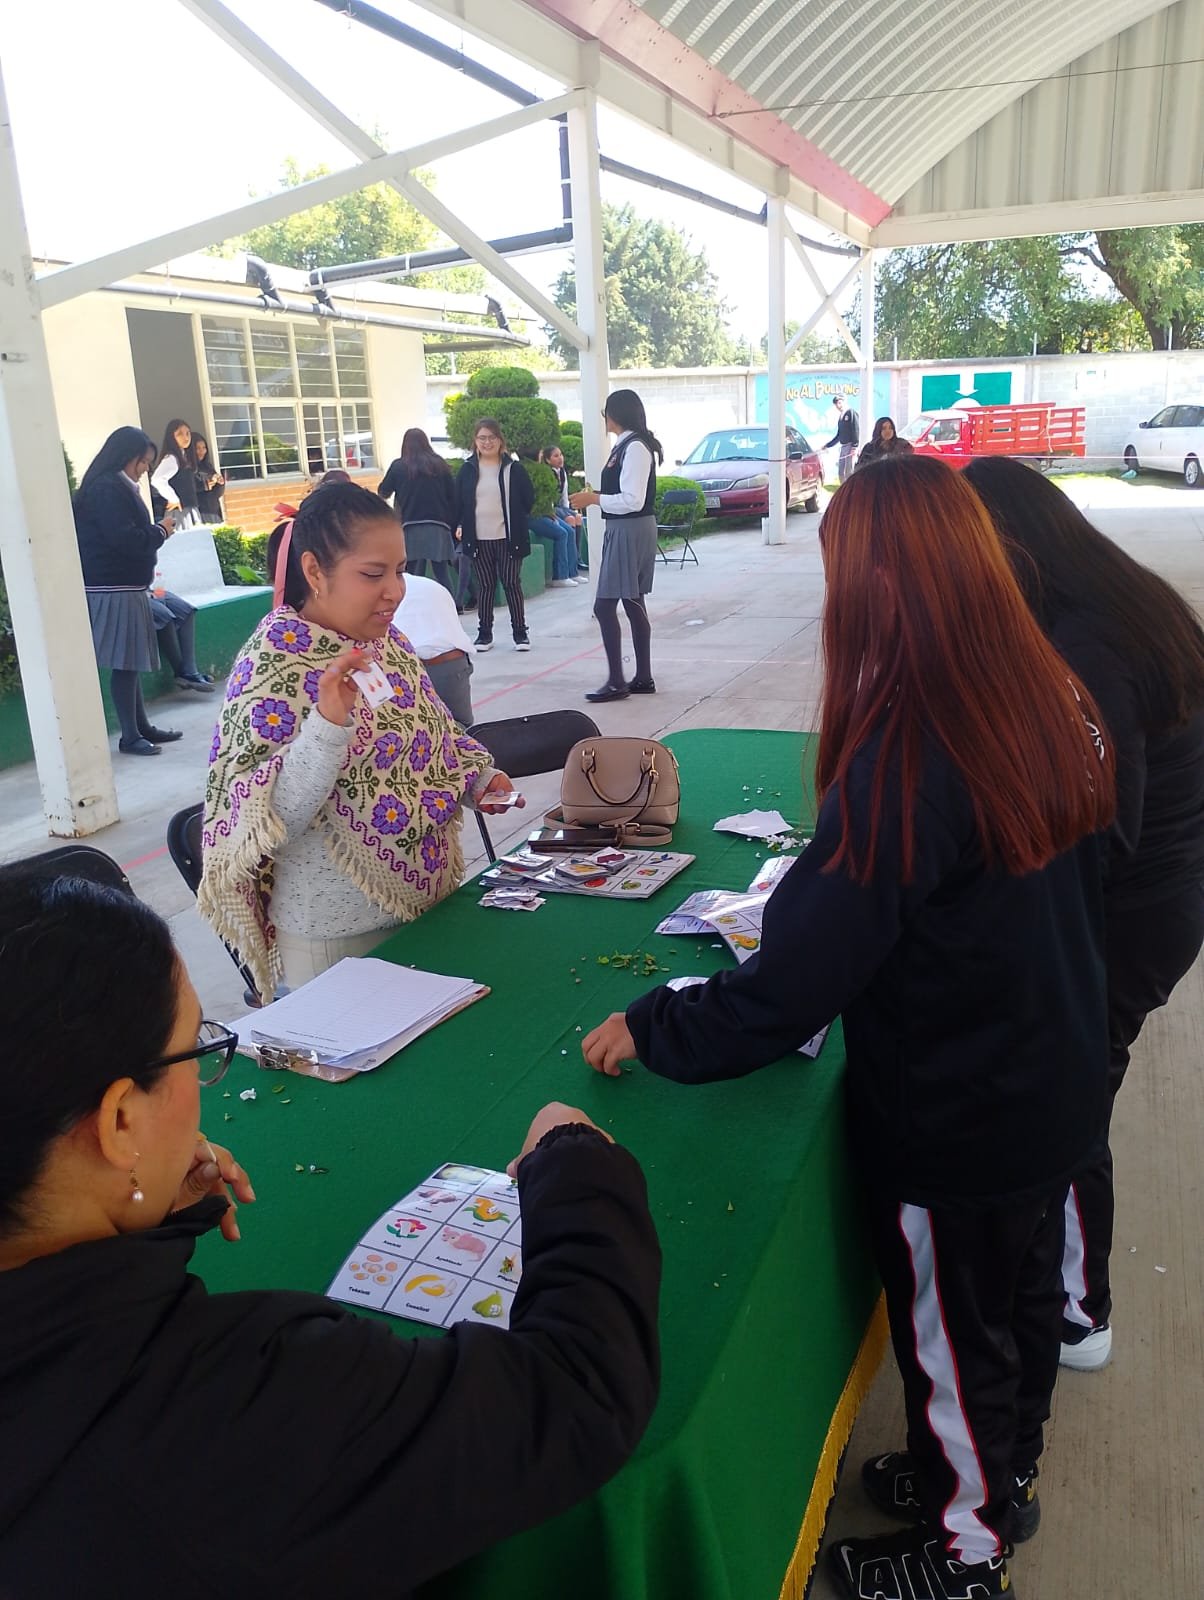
[1171,441]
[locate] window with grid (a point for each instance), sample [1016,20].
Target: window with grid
[287,397]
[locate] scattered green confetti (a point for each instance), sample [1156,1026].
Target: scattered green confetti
[730,1206]
[228,1116]
[277,1088]
[287,1102]
[226,1095]
[604,961]
[298,1168]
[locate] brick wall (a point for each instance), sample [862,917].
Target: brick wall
[250,506]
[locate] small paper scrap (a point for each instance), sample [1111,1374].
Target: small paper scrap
[247,1094]
[754,824]
[1160,1269]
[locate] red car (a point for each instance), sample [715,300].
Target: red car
[731,467]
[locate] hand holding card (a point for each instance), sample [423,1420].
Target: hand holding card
[373,684]
[337,688]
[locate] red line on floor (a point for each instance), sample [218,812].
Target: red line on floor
[153,855]
[536,676]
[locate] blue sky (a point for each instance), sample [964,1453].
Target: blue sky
[130,118]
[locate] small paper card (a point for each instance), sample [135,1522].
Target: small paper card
[449,1251]
[754,824]
[373,684]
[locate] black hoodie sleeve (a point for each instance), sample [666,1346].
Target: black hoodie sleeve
[823,938]
[394,1459]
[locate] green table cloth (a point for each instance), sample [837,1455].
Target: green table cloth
[768,1285]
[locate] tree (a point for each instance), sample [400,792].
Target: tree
[813,347]
[363,226]
[662,308]
[1159,271]
[995,298]
[536,357]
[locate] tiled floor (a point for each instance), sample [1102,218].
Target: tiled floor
[735,645]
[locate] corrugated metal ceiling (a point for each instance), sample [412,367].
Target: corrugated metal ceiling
[889,90]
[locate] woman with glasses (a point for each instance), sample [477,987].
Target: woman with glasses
[263,1443]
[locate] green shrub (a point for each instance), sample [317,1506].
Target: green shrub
[663,486]
[543,481]
[509,383]
[255,552]
[529,426]
[72,486]
[573,446]
[228,541]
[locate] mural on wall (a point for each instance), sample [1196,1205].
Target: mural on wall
[809,397]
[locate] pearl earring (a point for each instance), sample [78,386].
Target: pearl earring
[137,1195]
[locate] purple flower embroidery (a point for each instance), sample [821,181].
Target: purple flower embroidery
[438,804]
[389,815]
[403,690]
[291,634]
[239,678]
[309,686]
[388,748]
[432,854]
[421,751]
[274,720]
[402,643]
[216,745]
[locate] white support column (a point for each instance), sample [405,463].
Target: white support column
[866,407]
[594,359]
[773,528]
[38,549]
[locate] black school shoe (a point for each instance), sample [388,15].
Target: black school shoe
[138,747]
[608,691]
[890,1482]
[913,1565]
[641,686]
[162,735]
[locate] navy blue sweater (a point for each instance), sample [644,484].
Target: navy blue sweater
[973,1002]
[118,541]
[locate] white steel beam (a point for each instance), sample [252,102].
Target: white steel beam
[37,544]
[773,528]
[866,406]
[594,362]
[1022,222]
[827,298]
[83,276]
[523,33]
[821,310]
[277,70]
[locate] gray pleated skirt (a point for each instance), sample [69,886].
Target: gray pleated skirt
[123,630]
[429,541]
[628,558]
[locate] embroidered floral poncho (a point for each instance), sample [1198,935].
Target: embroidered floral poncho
[392,822]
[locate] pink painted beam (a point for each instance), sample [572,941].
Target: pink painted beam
[628,34]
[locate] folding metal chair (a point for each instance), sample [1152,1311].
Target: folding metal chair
[80,861]
[681,527]
[523,746]
[184,847]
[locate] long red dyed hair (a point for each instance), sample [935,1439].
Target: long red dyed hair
[928,637]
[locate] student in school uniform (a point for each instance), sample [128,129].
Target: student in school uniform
[950,909]
[1139,648]
[423,492]
[628,501]
[173,483]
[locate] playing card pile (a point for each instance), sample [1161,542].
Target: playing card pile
[449,1251]
[621,874]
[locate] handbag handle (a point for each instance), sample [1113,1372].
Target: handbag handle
[649,776]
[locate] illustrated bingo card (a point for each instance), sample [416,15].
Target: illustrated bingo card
[449,1251]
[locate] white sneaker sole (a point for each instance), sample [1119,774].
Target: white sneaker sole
[1090,1354]
[521,647]
[481,648]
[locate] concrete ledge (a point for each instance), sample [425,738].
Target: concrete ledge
[225,620]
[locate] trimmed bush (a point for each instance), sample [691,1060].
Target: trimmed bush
[543,481]
[664,485]
[498,383]
[242,558]
[573,446]
[529,425]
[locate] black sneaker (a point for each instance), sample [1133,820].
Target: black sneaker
[890,1482]
[913,1565]
[484,641]
[522,641]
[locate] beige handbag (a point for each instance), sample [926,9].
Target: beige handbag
[623,788]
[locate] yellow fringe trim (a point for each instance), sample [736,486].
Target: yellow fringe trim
[810,1535]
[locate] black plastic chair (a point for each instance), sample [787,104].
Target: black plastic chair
[184,847]
[523,746]
[80,861]
[680,527]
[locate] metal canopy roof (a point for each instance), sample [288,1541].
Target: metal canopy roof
[898,121]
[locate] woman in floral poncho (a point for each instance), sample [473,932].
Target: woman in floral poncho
[329,821]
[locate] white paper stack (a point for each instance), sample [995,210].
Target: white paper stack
[357,1014]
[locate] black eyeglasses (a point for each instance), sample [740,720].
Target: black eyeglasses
[213,1052]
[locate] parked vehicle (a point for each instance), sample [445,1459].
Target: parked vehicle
[1035,431]
[1171,441]
[731,467]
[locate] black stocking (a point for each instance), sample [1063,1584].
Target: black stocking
[641,637]
[607,613]
[126,698]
